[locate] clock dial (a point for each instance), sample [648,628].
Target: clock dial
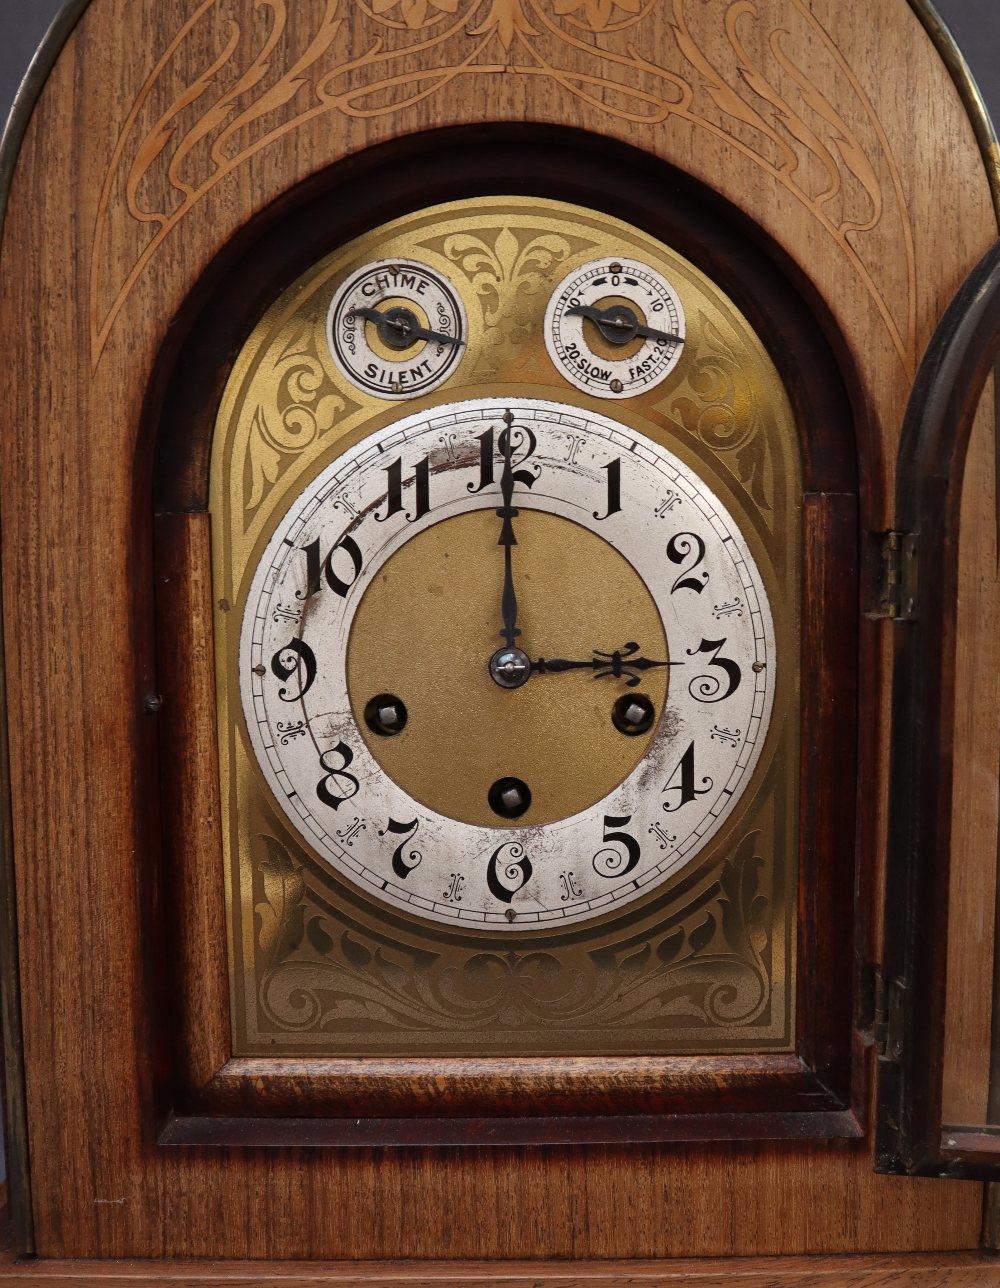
[397,328]
[614,328]
[464,547]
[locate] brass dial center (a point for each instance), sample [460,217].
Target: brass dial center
[427,628]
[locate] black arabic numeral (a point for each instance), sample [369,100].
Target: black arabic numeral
[708,688]
[613,863]
[316,567]
[614,469]
[523,445]
[680,547]
[403,864]
[485,462]
[506,878]
[337,785]
[686,789]
[284,667]
[394,495]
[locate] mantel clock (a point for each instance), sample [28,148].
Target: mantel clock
[499,692]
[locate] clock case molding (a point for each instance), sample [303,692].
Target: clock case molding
[165,1054]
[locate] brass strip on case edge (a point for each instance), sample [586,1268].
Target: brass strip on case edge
[30,91]
[968,91]
[15,1093]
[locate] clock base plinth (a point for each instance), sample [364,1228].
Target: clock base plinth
[972,1269]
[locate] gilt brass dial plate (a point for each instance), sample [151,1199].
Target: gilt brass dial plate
[457,714]
[701,957]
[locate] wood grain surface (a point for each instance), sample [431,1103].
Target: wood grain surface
[163,130]
[973,890]
[925,765]
[955,1270]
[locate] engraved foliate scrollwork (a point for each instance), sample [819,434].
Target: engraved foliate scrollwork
[301,405]
[497,260]
[279,913]
[711,968]
[766,82]
[718,404]
[706,968]
[315,974]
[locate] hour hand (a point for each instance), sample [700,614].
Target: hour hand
[620,664]
[619,325]
[400,328]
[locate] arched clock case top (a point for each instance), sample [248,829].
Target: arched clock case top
[211,1096]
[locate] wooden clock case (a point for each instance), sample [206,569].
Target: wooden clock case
[154,233]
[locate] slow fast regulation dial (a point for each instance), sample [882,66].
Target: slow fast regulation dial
[396,328]
[614,328]
[507,664]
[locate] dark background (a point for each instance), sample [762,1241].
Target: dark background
[975,24]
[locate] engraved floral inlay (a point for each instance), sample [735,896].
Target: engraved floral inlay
[409,14]
[493,263]
[304,406]
[718,404]
[601,15]
[764,80]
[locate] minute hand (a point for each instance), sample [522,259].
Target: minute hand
[620,664]
[619,325]
[508,513]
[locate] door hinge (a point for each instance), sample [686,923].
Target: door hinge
[887,1017]
[896,597]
